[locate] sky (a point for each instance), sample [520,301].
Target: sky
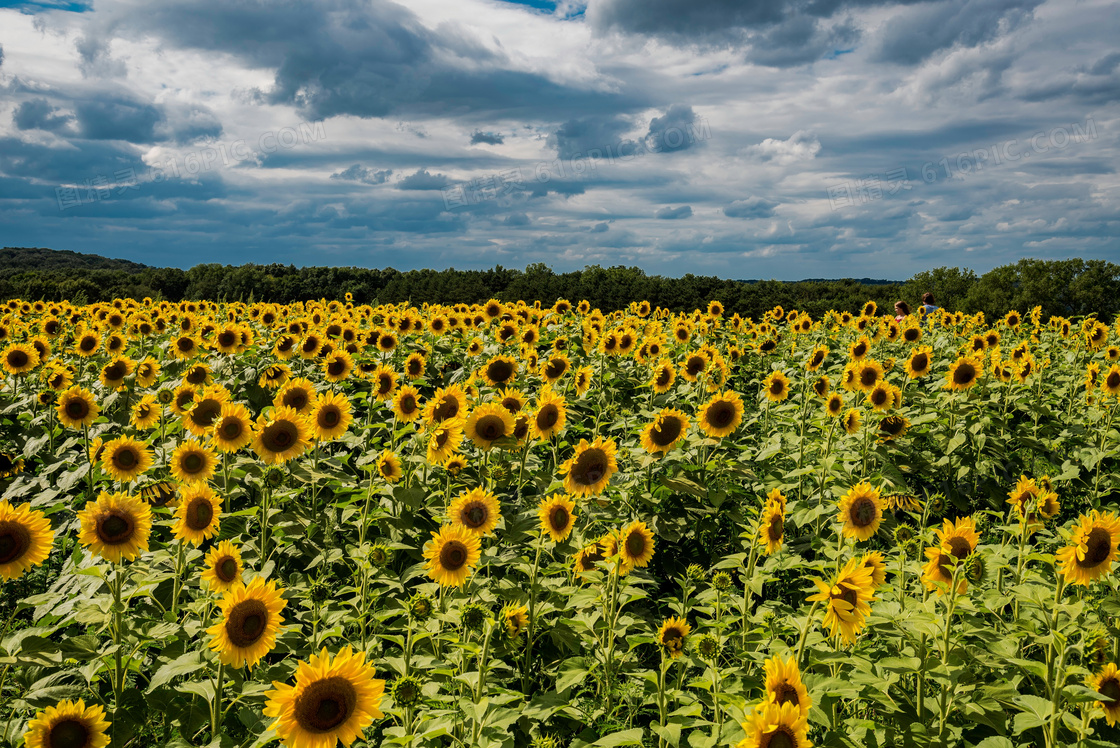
[780,139]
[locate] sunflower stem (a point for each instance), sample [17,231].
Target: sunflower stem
[178,584]
[216,705]
[661,697]
[118,624]
[805,632]
[532,618]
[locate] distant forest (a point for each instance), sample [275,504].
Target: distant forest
[1061,287]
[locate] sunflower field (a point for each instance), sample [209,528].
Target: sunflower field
[511,524]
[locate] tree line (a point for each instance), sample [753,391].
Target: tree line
[1069,288]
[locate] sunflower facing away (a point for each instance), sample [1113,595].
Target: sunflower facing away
[476,511]
[861,512]
[198,514]
[116,526]
[1107,682]
[450,555]
[776,726]
[722,414]
[1092,549]
[589,471]
[671,636]
[280,436]
[25,539]
[635,545]
[333,699]
[68,723]
[665,432]
[125,459]
[223,568]
[783,684]
[250,620]
[848,599]
[956,542]
[557,516]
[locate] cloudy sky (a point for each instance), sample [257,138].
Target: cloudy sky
[742,138]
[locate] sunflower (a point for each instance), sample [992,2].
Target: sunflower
[1110,382]
[868,373]
[274,377]
[444,441]
[859,349]
[198,515]
[182,399]
[389,466]
[834,404]
[588,472]
[876,563]
[446,403]
[192,462]
[68,723]
[476,511]
[722,414]
[223,568]
[208,402]
[25,539]
[125,459]
[488,423]
[500,370]
[77,408]
[555,368]
[1106,683]
[694,365]
[146,413]
[337,366]
[450,555]
[665,432]
[19,359]
[852,421]
[113,373]
[233,428]
[87,343]
[512,400]
[964,373]
[280,436]
[848,598]
[515,618]
[406,404]
[881,397]
[583,380]
[115,526]
[10,465]
[330,416]
[956,542]
[557,516]
[1093,548]
[776,387]
[771,725]
[861,512]
[783,684]
[635,545]
[298,394]
[816,358]
[771,528]
[250,620]
[1033,502]
[663,377]
[671,636]
[550,415]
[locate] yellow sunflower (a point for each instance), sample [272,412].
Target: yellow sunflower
[223,568]
[557,516]
[848,598]
[298,394]
[861,512]
[444,440]
[964,373]
[783,684]
[816,358]
[665,432]
[192,462]
[834,405]
[635,545]
[10,464]
[874,561]
[476,511]
[868,373]
[498,371]
[1092,549]
[722,414]
[583,380]
[663,377]
[450,555]
[406,404]
[672,635]
[589,471]
[515,619]
[274,377]
[389,466]
[115,526]
[776,387]
[25,539]
[125,459]
[488,423]
[146,413]
[208,402]
[956,542]
[337,366]
[330,416]
[771,527]
[233,428]
[1107,683]
[68,723]
[1034,502]
[771,725]
[250,621]
[280,436]
[77,408]
[852,421]
[198,515]
[550,415]
[447,403]
[19,359]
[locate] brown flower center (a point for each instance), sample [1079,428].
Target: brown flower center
[226,569]
[115,527]
[329,417]
[590,467]
[666,431]
[453,555]
[558,518]
[15,540]
[474,515]
[125,458]
[246,623]
[635,544]
[1098,546]
[776,528]
[490,427]
[964,374]
[200,513]
[499,371]
[231,429]
[279,436]
[77,410]
[205,412]
[408,405]
[69,733]
[1111,689]
[192,463]
[296,398]
[720,414]
[862,512]
[784,693]
[547,417]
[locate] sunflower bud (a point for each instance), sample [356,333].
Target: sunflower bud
[709,647]
[721,580]
[473,616]
[974,568]
[274,478]
[694,572]
[406,691]
[420,607]
[379,554]
[903,533]
[165,396]
[544,741]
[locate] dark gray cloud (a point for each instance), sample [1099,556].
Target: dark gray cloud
[917,33]
[751,207]
[422,180]
[672,214]
[516,219]
[39,114]
[590,137]
[676,130]
[489,138]
[359,173]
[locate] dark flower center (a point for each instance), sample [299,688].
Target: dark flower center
[192,463]
[635,544]
[246,623]
[15,540]
[200,514]
[453,555]
[279,436]
[231,429]
[226,569]
[964,373]
[77,409]
[558,518]
[205,412]
[69,733]
[776,528]
[547,417]
[590,467]
[115,527]
[329,417]
[499,371]
[721,414]
[868,376]
[784,693]
[1111,689]
[1098,546]
[125,459]
[491,428]
[862,512]
[408,404]
[474,515]
[666,431]
[296,398]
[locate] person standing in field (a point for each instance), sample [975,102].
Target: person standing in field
[928,304]
[901,310]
